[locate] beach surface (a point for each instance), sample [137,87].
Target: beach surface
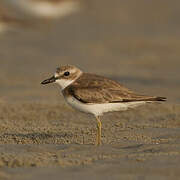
[41,137]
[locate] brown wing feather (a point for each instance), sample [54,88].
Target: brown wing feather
[96,89]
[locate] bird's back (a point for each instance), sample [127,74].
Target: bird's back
[91,88]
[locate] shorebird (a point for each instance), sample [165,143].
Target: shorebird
[48,8]
[96,94]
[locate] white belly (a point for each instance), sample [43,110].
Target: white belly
[99,109]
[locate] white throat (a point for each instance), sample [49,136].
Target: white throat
[63,83]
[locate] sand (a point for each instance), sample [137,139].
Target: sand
[41,137]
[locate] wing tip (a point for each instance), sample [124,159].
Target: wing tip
[161,99]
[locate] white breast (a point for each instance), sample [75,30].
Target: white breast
[63,83]
[99,109]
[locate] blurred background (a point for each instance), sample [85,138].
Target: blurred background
[134,42]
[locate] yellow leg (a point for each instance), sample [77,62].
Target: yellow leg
[98,135]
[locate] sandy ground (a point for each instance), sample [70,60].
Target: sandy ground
[41,137]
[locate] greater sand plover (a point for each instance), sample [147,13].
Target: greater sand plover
[96,94]
[48,8]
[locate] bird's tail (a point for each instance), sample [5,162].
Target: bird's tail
[160,99]
[148,98]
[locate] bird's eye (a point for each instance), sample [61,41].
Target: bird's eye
[67,73]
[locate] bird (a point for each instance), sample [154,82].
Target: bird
[95,94]
[47,8]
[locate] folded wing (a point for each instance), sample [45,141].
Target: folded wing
[100,95]
[97,89]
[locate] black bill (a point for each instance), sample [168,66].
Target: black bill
[50,80]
